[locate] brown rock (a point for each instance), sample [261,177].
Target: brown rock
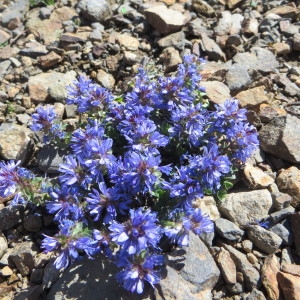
[7,52]
[127,42]
[291,269]
[216,91]
[290,285]
[233,3]
[227,266]
[211,48]
[267,113]
[288,181]
[6,271]
[281,48]
[214,69]
[255,178]
[269,273]
[4,36]
[49,60]
[170,58]
[285,11]
[252,97]
[250,27]
[203,8]
[105,79]
[296,42]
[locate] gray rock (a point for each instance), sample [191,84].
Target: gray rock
[91,278]
[284,233]
[281,138]
[17,10]
[255,295]
[176,40]
[244,207]
[258,59]
[4,65]
[105,79]
[282,214]
[50,158]
[33,223]
[224,24]
[211,48]
[165,20]
[296,41]
[15,142]
[251,275]
[195,265]
[22,256]
[228,230]
[95,10]
[237,77]
[33,49]
[265,240]
[290,88]
[281,200]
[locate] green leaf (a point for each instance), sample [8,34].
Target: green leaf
[221,194]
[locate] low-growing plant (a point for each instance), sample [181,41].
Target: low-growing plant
[138,163]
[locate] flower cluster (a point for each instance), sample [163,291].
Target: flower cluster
[136,165]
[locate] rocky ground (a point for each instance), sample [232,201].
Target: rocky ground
[252,48]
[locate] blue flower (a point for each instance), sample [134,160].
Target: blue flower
[138,269]
[138,233]
[43,118]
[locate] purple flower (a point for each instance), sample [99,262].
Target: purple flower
[43,118]
[138,269]
[138,233]
[49,244]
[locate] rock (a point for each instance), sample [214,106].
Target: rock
[199,268]
[33,223]
[267,113]
[91,278]
[291,269]
[44,86]
[296,42]
[281,138]
[17,10]
[3,245]
[237,77]
[233,3]
[286,256]
[211,48]
[284,233]
[203,8]
[255,178]
[227,266]
[49,29]
[244,207]
[252,97]
[15,142]
[250,27]
[265,240]
[258,59]
[4,66]
[285,11]
[281,200]
[251,275]
[22,256]
[127,42]
[49,60]
[208,205]
[8,52]
[288,181]
[290,285]
[269,272]
[281,214]
[213,69]
[228,230]
[282,48]
[95,10]
[6,271]
[255,295]
[105,79]
[176,40]
[33,49]
[295,221]
[216,91]
[170,58]
[165,20]
[50,158]
[224,24]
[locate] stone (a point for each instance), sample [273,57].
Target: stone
[288,181]
[17,10]
[252,97]
[251,275]
[287,256]
[32,293]
[281,48]
[285,11]
[4,67]
[95,10]
[33,223]
[199,269]
[224,24]
[49,158]
[269,272]
[291,269]
[49,60]
[245,207]
[265,240]
[233,3]
[250,27]
[6,271]
[203,8]
[295,221]
[208,205]
[127,42]
[284,233]
[258,59]
[170,58]
[176,40]
[211,48]
[281,138]
[3,246]
[216,91]
[281,200]
[237,77]
[227,266]
[267,113]
[255,178]
[52,85]
[290,285]
[281,214]
[22,256]
[214,69]
[105,79]
[15,142]
[296,42]
[11,216]
[228,230]
[8,52]
[33,49]
[165,20]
